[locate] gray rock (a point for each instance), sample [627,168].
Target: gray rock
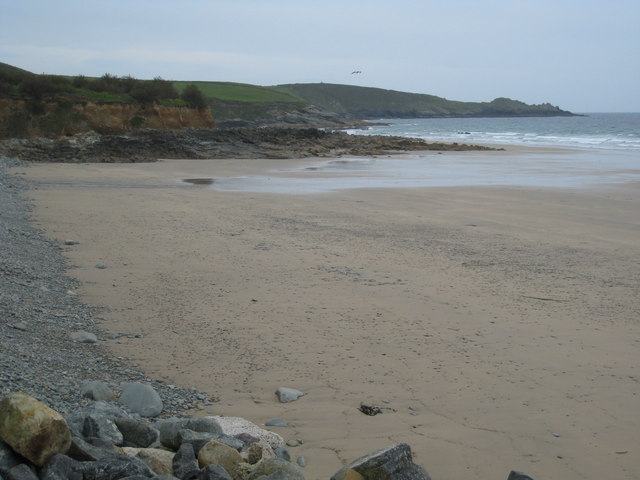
[115,468]
[390,463]
[61,467]
[276,422]
[99,426]
[90,450]
[83,337]
[185,463]
[283,453]
[213,472]
[244,429]
[71,242]
[96,390]
[170,429]
[101,266]
[105,409]
[200,439]
[301,461]
[8,458]
[141,398]
[286,395]
[283,469]
[21,472]
[514,475]
[136,433]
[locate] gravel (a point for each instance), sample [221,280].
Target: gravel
[38,312]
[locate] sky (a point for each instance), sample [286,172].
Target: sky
[580,55]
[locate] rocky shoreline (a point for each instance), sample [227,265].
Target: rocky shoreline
[248,142]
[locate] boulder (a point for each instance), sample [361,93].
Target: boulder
[61,467]
[98,426]
[213,472]
[170,429]
[236,426]
[258,452]
[21,472]
[276,468]
[160,461]
[8,458]
[185,463]
[96,390]
[390,463]
[515,475]
[115,468]
[217,453]
[32,429]
[286,395]
[136,433]
[200,439]
[142,399]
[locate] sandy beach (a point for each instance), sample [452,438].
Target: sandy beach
[498,328]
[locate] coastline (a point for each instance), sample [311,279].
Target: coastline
[491,318]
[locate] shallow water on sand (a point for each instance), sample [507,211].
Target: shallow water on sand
[561,168]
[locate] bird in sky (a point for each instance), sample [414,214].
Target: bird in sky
[356,72]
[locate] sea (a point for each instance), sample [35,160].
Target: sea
[584,151]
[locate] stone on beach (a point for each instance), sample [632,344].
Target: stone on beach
[96,390]
[286,395]
[390,463]
[142,399]
[32,429]
[234,426]
[83,337]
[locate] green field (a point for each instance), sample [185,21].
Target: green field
[239,92]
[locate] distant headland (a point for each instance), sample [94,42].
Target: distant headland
[55,105]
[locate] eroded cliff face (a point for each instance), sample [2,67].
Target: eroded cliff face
[119,118]
[54,119]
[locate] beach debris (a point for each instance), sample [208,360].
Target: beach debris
[370,410]
[286,395]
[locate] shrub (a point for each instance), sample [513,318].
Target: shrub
[194,97]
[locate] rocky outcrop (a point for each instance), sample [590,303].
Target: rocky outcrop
[263,142]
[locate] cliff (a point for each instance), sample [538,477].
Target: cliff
[18,118]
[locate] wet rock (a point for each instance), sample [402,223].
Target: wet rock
[390,463]
[141,398]
[32,429]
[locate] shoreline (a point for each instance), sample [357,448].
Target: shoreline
[490,319]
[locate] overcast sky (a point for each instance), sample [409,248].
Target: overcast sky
[582,55]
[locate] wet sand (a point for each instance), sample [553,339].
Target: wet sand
[497,327]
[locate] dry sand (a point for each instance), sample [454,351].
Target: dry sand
[497,327]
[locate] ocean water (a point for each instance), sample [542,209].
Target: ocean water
[610,131]
[587,151]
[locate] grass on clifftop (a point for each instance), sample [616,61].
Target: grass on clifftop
[239,92]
